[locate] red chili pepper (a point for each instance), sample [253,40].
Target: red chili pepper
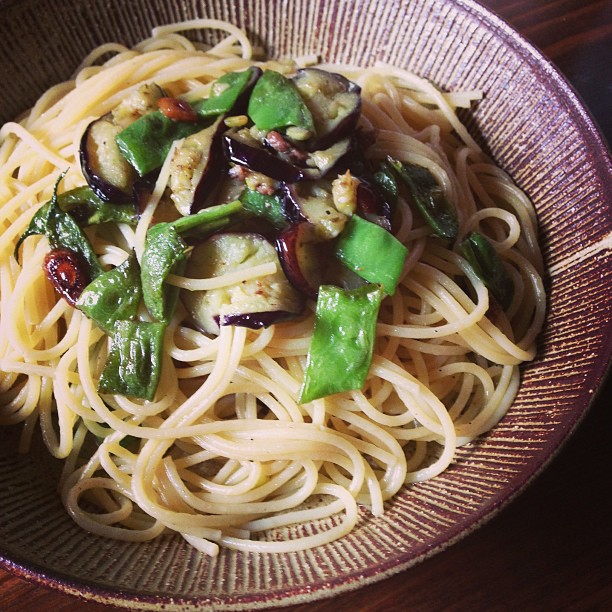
[177,110]
[67,272]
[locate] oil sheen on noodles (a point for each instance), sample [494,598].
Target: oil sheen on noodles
[208,467]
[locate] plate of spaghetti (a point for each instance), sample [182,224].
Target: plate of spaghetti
[279,312]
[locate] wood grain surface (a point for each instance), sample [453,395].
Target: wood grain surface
[551,549]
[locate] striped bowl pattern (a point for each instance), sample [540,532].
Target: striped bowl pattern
[532,124]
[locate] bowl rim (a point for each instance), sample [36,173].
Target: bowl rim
[601,158]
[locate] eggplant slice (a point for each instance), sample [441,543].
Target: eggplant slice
[105,169]
[334,103]
[304,257]
[253,303]
[311,201]
[244,150]
[195,168]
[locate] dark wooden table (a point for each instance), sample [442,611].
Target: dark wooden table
[551,549]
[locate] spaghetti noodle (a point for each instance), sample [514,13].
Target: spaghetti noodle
[224,454]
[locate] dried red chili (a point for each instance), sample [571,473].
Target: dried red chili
[177,110]
[67,272]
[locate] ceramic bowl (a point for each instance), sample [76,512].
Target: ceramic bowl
[534,126]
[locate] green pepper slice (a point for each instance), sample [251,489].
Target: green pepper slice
[146,143]
[270,207]
[342,344]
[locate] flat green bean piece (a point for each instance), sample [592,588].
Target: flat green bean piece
[133,366]
[342,344]
[371,252]
[113,296]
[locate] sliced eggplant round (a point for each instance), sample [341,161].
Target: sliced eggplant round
[304,257]
[254,303]
[195,168]
[105,169]
[333,101]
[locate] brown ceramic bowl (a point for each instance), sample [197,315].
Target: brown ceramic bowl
[536,129]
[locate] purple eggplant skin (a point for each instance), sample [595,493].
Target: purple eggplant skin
[372,206]
[256,320]
[100,184]
[303,257]
[217,166]
[259,159]
[334,102]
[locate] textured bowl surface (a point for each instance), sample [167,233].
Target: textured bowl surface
[535,128]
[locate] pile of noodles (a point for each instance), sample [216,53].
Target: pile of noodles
[225,455]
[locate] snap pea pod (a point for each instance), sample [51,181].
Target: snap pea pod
[133,366]
[225,92]
[342,344]
[62,231]
[165,253]
[371,252]
[276,103]
[113,296]
[146,142]
[428,197]
[488,266]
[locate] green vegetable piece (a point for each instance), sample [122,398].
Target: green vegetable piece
[385,180]
[214,216]
[488,266]
[225,93]
[342,344]
[276,103]
[62,231]
[165,253]
[428,198]
[146,142]
[371,252]
[270,207]
[88,209]
[134,362]
[113,296]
